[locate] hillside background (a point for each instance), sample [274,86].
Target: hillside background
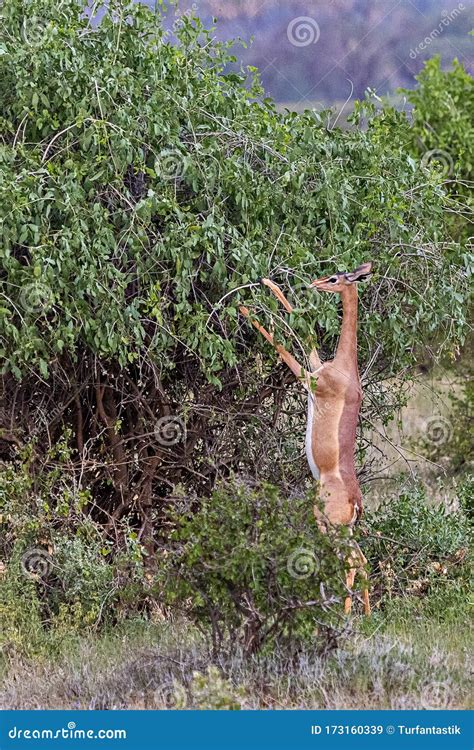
[360,43]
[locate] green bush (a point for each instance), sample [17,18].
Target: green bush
[440,135]
[141,182]
[210,690]
[59,573]
[415,547]
[442,117]
[253,567]
[144,191]
[465,494]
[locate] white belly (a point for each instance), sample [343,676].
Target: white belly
[309,437]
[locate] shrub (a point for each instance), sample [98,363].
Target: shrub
[442,130]
[210,690]
[438,133]
[415,547]
[465,494]
[58,572]
[253,566]
[144,191]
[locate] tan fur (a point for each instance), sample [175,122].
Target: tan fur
[337,395]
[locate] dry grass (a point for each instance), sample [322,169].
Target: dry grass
[167,666]
[399,450]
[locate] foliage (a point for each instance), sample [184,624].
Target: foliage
[438,133]
[442,115]
[58,571]
[466,496]
[213,691]
[144,191]
[460,448]
[252,566]
[415,547]
[442,132]
[143,185]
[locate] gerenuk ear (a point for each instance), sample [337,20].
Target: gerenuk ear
[362,273]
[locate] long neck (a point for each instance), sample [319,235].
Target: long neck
[347,347]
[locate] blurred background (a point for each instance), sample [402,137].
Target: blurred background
[312,53]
